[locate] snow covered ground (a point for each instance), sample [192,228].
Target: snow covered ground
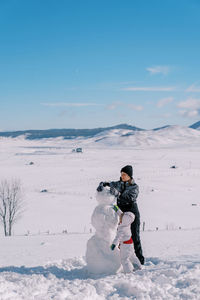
[53,267]
[39,262]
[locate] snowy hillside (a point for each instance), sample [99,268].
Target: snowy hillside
[166,137]
[196,125]
[42,262]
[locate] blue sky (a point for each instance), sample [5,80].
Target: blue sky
[85,64]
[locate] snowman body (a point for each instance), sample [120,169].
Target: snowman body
[99,257]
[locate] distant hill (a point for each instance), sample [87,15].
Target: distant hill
[169,136]
[163,127]
[195,125]
[87,133]
[65,133]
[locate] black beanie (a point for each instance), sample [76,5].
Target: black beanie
[128,170]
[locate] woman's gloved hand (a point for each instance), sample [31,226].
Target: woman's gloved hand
[114,191]
[102,185]
[112,247]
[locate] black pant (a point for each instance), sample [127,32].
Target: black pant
[135,230]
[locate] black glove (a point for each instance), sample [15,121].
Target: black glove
[100,187]
[114,191]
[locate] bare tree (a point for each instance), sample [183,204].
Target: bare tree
[3,206]
[11,204]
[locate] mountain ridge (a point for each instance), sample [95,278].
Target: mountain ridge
[66,133]
[195,125]
[74,133]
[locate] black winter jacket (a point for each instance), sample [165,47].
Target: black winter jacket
[128,193]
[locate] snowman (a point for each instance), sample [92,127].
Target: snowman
[99,257]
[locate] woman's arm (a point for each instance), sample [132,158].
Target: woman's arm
[113,185]
[130,195]
[116,185]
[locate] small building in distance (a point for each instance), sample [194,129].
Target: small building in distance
[78,150]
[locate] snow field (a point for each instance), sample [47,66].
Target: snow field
[165,280]
[172,270]
[42,266]
[166,195]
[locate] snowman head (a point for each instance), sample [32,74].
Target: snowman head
[105,197]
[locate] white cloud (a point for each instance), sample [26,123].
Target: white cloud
[114,105]
[150,89]
[193,88]
[190,103]
[189,113]
[111,107]
[125,105]
[159,70]
[63,104]
[164,101]
[189,108]
[135,107]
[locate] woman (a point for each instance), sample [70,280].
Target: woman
[126,191]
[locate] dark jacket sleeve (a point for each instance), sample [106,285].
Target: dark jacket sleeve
[130,195]
[116,185]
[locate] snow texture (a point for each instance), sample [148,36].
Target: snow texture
[164,277]
[99,257]
[40,263]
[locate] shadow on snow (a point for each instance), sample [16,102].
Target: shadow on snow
[152,264]
[76,273]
